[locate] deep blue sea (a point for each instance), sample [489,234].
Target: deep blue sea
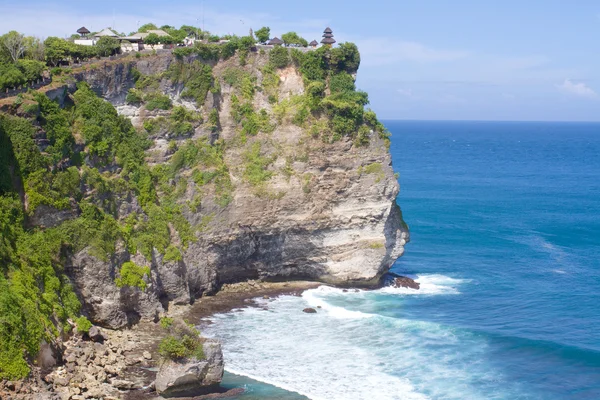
[505,240]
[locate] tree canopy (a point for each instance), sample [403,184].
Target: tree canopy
[147,27]
[263,34]
[107,46]
[293,39]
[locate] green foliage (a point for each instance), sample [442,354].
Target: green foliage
[341,83]
[83,324]
[107,46]
[235,76]
[182,52]
[279,57]
[166,322]
[147,27]
[196,77]
[157,101]
[255,165]
[209,52]
[182,341]
[345,57]
[134,96]
[270,82]
[263,34]
[132,275]
[373,169]
[152,39]
[213,120]
[147,82]
[172,348]
[172,254]
[293,39]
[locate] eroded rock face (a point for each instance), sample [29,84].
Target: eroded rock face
[191,377]
[328,213]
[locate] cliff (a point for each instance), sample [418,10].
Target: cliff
[253,169]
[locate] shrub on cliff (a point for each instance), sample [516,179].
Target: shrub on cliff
[279,57]
[182,341]
[157,101]
[133,275]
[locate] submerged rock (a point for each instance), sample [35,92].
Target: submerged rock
[190,376]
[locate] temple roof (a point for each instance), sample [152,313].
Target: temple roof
[328,30]
[83,30]
[328,40]
[314,43]
[275,41]
[106,32]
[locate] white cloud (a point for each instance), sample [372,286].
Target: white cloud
[577,89]
[384,51]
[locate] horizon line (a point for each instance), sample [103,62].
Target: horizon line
[493,120]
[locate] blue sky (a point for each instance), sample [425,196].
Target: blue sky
[476,60]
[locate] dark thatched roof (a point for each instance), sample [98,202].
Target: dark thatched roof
[314,43]
[328,40]
[83,30]
[275,41]
[328,30]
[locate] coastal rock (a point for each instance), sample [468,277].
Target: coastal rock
[191,377]
[96,334]
[309,310]
[405,282]
[328,213]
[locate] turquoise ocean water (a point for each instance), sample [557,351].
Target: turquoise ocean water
[505,225]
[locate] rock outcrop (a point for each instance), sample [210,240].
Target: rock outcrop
[328,213]
[405,282]
[190,376]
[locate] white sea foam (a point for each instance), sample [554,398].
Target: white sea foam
[314,298]
[431,284]
[348,351]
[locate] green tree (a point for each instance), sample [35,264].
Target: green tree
[31,69]
[147,27]
[14,43]
[57,49]
[107,46]
[263,34]
[345,57]
[152,39]
[293,39]
[10,76]
[34,48]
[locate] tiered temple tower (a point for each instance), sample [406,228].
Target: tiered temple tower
[328,37]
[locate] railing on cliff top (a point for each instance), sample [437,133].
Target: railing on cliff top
[24,88]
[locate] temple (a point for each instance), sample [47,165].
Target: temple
[328,37]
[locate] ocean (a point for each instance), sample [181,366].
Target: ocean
[505,241]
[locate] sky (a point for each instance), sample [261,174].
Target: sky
[535,60]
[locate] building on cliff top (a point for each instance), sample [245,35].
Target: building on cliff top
[314,44]
[83,31]
[328,37]
[275,42]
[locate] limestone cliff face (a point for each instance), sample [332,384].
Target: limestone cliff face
[328,213]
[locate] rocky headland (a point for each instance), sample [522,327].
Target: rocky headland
[247,171]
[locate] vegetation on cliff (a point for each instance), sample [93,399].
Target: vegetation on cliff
[82,162]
